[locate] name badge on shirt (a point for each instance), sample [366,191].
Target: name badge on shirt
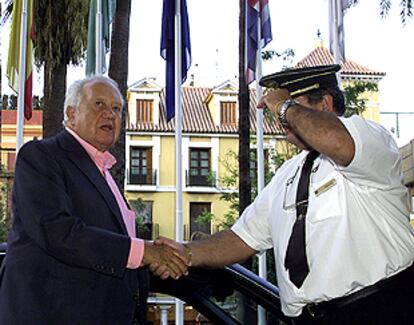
[325,187]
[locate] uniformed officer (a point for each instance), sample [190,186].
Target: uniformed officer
[336,215]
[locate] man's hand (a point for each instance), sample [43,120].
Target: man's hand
[162,270]
[168,261]
[273,100]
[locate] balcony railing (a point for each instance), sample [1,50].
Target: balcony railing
[149,179]
[198,180]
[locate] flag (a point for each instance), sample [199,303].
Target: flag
[337,9]
[13,62]
[167,50]
[254,10]
[108,12]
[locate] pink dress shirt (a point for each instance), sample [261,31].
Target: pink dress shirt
[104,161]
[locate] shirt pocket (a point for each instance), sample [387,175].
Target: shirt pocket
[325,200]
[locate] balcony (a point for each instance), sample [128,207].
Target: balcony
[138,179]
[198,180]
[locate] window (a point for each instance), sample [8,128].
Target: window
[228,113]
[199,167]
[196,225]
[141,166]
[143,210]
[11,161]
[145,109]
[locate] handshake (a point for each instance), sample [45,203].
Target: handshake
[167,258]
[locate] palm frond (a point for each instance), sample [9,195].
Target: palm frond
[406,10]
[385,6]
[7,11]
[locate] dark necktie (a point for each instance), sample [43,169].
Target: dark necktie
[296,261]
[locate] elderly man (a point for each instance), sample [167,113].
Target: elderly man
[336,215]
[73,256]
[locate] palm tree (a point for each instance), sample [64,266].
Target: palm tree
[61,29]
[118,70]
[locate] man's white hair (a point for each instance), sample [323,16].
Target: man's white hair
[74,93]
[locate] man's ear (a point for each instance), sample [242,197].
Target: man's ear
[70,112]
[327,103]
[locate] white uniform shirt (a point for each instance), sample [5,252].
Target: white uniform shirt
[357,225]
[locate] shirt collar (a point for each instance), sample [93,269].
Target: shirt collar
[103,160]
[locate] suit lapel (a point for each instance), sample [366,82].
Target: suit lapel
[77,154]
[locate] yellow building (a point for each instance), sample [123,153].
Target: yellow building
[32,129]
[209,132]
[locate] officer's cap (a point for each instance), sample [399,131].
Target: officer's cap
[302,80]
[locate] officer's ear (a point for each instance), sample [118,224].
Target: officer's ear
[327,103]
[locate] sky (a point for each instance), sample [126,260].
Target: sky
[384,45]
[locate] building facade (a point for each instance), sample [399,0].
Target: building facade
[33,129]
[209,136]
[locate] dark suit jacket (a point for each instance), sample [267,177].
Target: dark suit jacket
[68,246]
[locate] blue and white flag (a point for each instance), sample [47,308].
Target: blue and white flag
[167,50]
[254,10]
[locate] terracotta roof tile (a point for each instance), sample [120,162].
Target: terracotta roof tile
[197,117]
[322,56]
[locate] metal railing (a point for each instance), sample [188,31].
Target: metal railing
[149,179]
[199,180]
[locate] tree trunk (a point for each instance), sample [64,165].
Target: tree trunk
[244,122]
[54,97]
[118,70]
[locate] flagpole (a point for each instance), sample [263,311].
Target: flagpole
[22,78]
[179,306]
[261,312]
[98,38]
[336,8]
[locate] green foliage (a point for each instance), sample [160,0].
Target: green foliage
[61,28]
[4,221]
[61,31]
[406,9]
[286,55]
[355,102]
[139,207]
[4,229]
[230,182]
[204,217]
[10,102]
[38,102]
